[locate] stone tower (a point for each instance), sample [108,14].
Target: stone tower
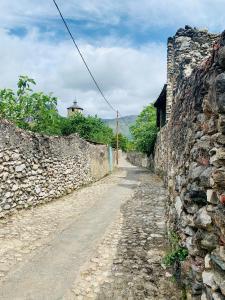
[74,109]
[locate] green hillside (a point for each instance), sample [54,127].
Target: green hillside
[124,124]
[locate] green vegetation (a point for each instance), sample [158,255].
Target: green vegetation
[173,259]
[177,253]
[144,130]
[38,112]
[123,142]
[89,128]
[29,110]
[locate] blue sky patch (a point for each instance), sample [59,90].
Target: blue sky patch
[55,31]
[18,31]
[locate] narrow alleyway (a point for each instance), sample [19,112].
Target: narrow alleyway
[104,241]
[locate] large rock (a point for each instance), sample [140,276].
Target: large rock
[195,172]
[208,279]
[212,197]
[209,241]
[221,138]
[221,123]
[218,139]
[219,219]
[219,100]
[221,57]
[202,218]
[219,278]
[218,158]
[178,205]
[208,261]
[217,296]
[190,245]
[205,177]
[218,177]
[219,261]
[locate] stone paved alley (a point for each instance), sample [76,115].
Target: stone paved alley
[104,241]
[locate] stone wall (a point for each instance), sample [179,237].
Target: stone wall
[193,155]
[161,153]
[36,168]
[186,50]
[139,159]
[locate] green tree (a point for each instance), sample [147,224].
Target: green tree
[29,110]
[37,112]
[89,128]
[130,145]
[144,131]
[123,142]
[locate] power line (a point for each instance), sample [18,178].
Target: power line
[82,57]
[86,65]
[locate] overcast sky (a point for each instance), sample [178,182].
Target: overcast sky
[123,41]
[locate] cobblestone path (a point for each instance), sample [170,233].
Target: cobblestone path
[104,241]
[136,271]
[127,264]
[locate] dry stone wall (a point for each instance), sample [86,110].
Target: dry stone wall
[191,152]
[139,159]
[161,153]
[35,169]
[186,49]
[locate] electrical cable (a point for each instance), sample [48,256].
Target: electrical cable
[82,57]
[86,65]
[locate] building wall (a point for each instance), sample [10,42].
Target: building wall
[72,112]
[191,153]
[35,169]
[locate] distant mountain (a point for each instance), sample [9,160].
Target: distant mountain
[124,124]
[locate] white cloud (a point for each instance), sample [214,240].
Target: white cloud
[144,13]
[130,78]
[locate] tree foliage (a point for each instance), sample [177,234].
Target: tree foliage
[28,109]
[144,131]
[122,141]
[38,112]
[89,128]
